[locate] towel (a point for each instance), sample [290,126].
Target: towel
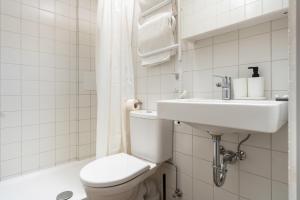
[156,33]
[147,4]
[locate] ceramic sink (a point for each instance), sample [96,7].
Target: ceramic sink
[222,116]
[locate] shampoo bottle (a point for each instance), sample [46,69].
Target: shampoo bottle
[256,84]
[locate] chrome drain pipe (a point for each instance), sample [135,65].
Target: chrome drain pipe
[223,157]
[219,169]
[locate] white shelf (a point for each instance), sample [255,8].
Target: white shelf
[235,26]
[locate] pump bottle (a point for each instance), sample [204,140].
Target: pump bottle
[256,84]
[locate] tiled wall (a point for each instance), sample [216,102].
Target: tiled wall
[263,175]
[45,116]
[87,94]
[214,14]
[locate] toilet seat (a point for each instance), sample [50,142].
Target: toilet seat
[113,170]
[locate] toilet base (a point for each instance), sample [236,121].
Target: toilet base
[126,195]
[144,191]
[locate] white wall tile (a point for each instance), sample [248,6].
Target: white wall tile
[30,163]
[255,49]
[280,166]
[10,119]
[280,75]
[30,102]
[10,167]
[30,73]
[271,5]
[186,184]
[202,170]
[9,39]
[9,23]
[258,161]
[10,135]
[254,187]
[47,159]
[30,132]
[30,87]
[10,103]
[184,163]
[10,71]
[184,143]
[226,54]
[280,44]
[30,117]
[30,28]
[279,191]
[202,81]
[202,148]
[30,147]
[257,140]
[33,3]
[30,13]
[183,128]
[11,8]
[62,155]
[203,58]
[220,194]
[202,190]
[30,43]
[253,9]
[10,55]
[280,139]
[48,5]
[47,144]
[154,85]
[10,151]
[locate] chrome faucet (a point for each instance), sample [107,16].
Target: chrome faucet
[226,86]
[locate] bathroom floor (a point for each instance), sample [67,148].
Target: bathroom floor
[45,184]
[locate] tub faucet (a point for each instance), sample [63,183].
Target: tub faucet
[225,84]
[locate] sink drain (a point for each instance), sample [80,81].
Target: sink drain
[64,195]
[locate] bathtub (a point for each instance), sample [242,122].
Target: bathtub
[45,184]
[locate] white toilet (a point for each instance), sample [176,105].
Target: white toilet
[118,177]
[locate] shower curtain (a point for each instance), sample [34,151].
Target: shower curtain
[114,73]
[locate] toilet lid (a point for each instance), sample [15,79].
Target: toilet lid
[112,170]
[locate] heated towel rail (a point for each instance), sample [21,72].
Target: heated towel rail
[171,47]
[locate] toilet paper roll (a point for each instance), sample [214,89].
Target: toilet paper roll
[240,88]
[133,104]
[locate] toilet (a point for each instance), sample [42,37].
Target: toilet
[119,176]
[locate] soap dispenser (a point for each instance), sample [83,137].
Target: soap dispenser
[256,84]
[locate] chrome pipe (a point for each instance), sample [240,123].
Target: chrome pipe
[222,157]
[219,169]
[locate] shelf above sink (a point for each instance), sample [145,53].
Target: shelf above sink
[222,116]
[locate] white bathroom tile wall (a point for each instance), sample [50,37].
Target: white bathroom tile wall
[39,95]
[263,45]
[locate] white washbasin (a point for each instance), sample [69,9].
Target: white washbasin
[221,116]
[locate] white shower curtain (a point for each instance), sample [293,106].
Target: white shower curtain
[114,72]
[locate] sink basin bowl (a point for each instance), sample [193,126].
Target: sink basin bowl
[222,116]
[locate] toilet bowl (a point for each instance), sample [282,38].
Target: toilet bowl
[115,177]
[118,177]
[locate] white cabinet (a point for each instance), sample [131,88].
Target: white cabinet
[202,18]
